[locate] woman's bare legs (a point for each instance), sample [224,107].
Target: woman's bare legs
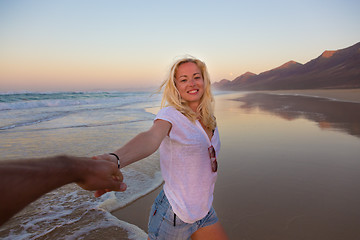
[214,231]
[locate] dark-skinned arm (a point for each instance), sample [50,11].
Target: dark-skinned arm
[24,181]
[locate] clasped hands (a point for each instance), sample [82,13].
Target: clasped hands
[104,176]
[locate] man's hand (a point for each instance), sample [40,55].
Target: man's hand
[24,180]
[101,175]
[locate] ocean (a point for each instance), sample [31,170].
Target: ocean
[81,124]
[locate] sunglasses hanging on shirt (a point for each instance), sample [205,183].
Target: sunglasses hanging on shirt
[212,154]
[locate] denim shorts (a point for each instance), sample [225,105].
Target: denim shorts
[164,224]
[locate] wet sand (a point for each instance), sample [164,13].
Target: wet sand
[328,113]
[137,213]
[338,94]
[277,184]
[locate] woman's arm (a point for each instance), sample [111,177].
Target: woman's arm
[141,146]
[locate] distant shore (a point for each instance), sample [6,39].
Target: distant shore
[352,95]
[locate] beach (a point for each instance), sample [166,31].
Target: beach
[280,178]
[36,124]
[288,165]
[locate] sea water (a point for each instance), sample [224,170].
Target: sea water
[82,124]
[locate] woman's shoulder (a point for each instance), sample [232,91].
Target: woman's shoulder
[168,110]
[170,114]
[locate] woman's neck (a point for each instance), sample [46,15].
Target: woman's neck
[194,107]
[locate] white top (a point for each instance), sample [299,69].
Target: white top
[186,166]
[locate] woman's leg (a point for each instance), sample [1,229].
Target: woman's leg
[214,231]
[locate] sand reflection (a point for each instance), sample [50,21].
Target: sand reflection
[329,114]
[283,177]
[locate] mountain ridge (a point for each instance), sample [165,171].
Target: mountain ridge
[332,69]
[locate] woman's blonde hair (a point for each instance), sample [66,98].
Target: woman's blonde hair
[172,97]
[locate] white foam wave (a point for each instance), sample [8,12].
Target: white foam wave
[72,213]
[55,103]
[133,231]
[136,189]
[43,100]
[33,121]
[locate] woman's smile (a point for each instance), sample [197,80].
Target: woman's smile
[190,84]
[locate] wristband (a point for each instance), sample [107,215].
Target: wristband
[118,159]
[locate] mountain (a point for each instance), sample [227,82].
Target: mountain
[221,84]
[227,84]
[332,69]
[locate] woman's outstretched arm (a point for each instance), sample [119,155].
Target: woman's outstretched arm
[142,145]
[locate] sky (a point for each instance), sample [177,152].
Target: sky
[77,45]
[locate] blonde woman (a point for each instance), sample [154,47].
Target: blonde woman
[185,132]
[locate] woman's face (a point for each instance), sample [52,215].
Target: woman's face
[190,83]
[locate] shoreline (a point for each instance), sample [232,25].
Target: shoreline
[137,212]
[349,95]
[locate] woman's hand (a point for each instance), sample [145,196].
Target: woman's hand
[116,177]
[106,156]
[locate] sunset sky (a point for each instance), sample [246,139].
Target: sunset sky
[75,45]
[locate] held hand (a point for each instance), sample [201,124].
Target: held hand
[103,176]
[106,156]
